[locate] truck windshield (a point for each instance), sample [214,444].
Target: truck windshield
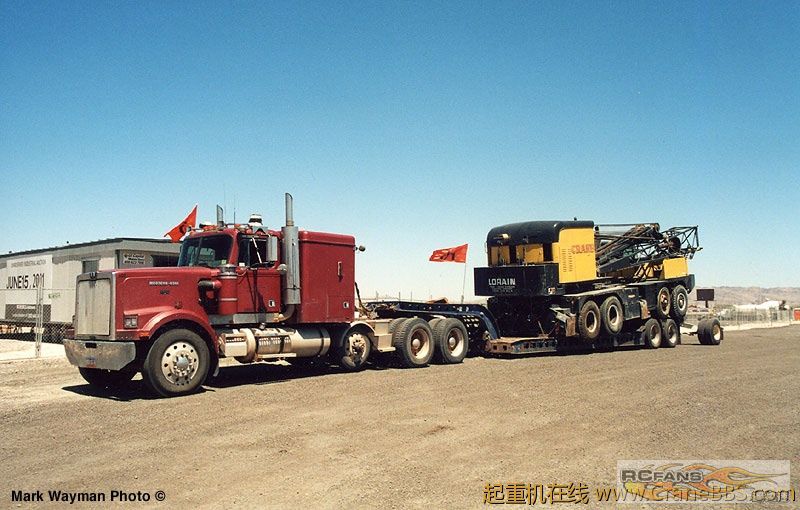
[209,251]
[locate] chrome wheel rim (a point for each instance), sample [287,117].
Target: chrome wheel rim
[356,347]
[179,363]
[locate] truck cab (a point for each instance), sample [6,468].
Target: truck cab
[236,292]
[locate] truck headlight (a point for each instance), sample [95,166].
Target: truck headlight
[130,321]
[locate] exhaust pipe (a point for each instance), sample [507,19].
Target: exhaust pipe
[291,256]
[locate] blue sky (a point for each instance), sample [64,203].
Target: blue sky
[412,125]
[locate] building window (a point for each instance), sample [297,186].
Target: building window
[90,266]
[165,260]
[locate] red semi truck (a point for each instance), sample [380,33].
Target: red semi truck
[251,293]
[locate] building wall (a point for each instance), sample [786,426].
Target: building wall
[56,270]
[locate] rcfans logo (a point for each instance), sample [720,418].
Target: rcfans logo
[651,475]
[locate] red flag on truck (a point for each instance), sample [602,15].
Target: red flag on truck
[181,228]
[457,254]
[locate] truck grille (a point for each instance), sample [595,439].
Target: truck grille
[93,307]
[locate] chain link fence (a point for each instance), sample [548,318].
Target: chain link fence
[769,317]
[731,316]
[36,315]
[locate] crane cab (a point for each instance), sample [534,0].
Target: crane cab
[537,258]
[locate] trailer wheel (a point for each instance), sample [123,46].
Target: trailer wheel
[670,333]
[680,302]
[394,322]
[663,303]
[452,340]
[177,363]
[353,352]
[100,378]
[710,332]
[652,334]
[413,339]
[612,315]
[589,321]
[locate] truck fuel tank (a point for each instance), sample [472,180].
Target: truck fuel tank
[250,344]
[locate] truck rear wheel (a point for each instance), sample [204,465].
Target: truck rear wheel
[452,340]
[353,353]
[100,378]
[663,303]
[612,316]
[671,333]
[413,340]
[589,321]
[652,334]
[680,302]
[176,364]
[394,323]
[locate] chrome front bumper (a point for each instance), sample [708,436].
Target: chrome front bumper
[99,354]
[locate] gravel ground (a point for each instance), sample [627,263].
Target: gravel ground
[276,436]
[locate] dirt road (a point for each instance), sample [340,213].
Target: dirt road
[277,436]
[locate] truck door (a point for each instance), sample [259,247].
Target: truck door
[261,284]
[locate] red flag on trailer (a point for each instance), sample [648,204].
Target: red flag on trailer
[181,228]
[456,254]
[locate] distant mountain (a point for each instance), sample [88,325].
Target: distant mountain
[748,295]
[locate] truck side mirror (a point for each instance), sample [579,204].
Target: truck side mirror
[272,250]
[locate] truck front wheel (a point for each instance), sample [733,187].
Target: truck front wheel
[177,363]
[100,378]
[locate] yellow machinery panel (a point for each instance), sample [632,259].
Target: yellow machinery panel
[499,255]
[574,253]
[674,268]
[530,253]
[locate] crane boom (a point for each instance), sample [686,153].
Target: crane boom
[631,246]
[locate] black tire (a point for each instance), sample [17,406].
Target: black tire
[177,363]
[394,322]
[100,378]
[613,318]
[589,321]
[432,323]
[670,333]
[354,350]
[710,332]
[702,336]
[413,340]
[451,339]
[651,333]
[680,303]
[663,303]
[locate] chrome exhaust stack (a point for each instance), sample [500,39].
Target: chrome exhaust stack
[291,256]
